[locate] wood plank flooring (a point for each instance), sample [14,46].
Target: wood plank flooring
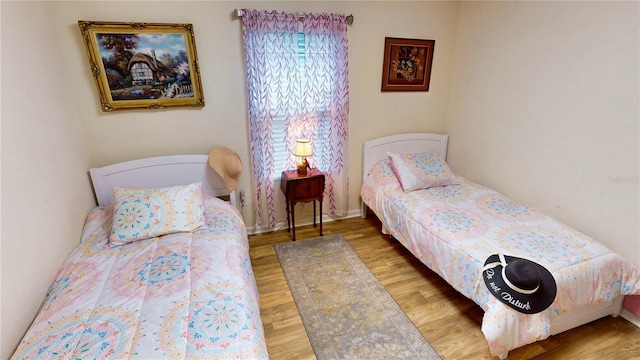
[448,320]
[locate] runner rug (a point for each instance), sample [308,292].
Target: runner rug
[346,312]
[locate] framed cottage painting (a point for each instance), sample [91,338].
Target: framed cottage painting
[143,65]
[407,64]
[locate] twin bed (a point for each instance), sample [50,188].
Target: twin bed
[454,228]
[179,295]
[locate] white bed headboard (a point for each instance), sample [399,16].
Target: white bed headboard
[157,172]
[374,151]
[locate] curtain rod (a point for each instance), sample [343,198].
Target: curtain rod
[238,14]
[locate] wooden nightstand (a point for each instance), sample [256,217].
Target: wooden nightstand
[298,188]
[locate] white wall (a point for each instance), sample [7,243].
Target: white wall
[45,187]
[545,108]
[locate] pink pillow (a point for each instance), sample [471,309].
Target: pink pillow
[421,171]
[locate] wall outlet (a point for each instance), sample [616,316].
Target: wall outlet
[242,199]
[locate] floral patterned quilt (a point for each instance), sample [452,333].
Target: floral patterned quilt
[179,296]
[453,229]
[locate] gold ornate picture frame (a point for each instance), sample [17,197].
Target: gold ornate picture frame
[407,64]
[143,65]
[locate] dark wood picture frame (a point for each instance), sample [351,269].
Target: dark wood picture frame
[407,64]
[143,65]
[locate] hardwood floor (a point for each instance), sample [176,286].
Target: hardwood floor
[448,320]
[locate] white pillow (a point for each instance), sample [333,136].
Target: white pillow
[421,170]
[141,214]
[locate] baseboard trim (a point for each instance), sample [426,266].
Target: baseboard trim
[255,230]
[627,315]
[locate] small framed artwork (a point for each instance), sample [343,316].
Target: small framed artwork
[407,64]
[143,65]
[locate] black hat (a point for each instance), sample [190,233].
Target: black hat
[519,283]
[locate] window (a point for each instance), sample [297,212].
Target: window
[281,147]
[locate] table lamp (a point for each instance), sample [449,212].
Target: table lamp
[303,149]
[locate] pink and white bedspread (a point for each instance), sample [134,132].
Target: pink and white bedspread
[179,296]
[453,229]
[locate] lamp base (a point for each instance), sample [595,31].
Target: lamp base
[302,169]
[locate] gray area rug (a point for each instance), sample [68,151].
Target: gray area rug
[346,312]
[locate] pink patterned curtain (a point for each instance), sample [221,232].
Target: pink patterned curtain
[297,88]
